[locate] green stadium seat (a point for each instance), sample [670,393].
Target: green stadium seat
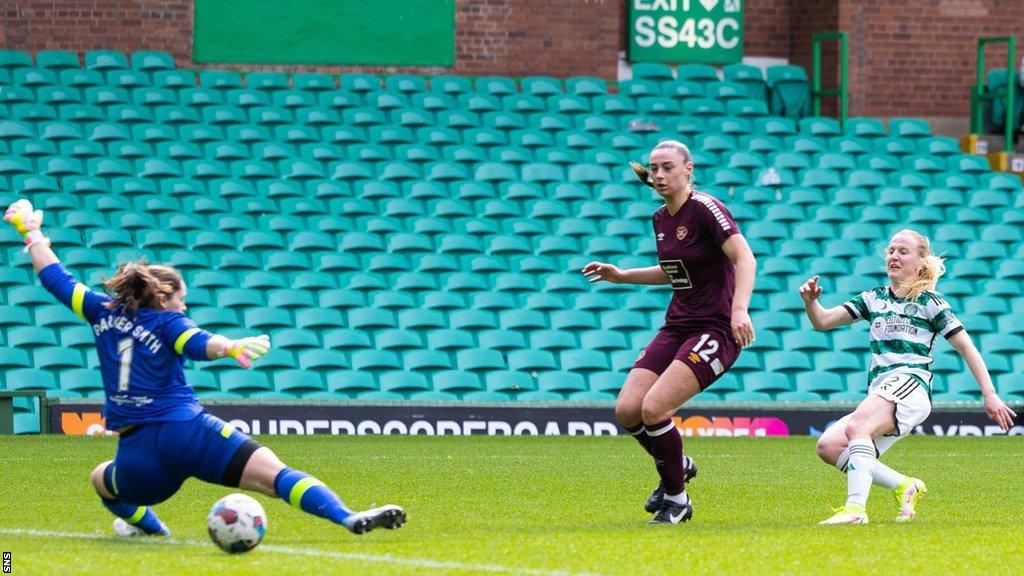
[531,360]
[450,340]
[864,127]
[540,397]
[766,383]
[151,61]
[202,381]
[277,359]
[551,340]
[909,128]
[822,383]
[55,316]
[652,71]
[789,91]
[398,339]
[853,146]
[611,382]
[509,382]
[703,108]
[313,82]
[456,382]
[244,382]
[451,85]
[214,319]
[637,88]
[573,320]
[1011,385]
[480,360]
[382,396]
[374,360]
[30,379]
[700,73]
[298,382]
[295,339]
[84,381]
[350,383]
[561,382]
[495,340]
[174,79]
[819,126]
[585,361]
[750,77]
[428,361]
[14,59]
[103,60]
[346,339]
[800,396]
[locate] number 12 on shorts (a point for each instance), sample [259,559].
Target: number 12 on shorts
[705,347]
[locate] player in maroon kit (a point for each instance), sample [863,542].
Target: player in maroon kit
[711,269]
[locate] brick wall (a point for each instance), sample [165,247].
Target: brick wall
[82,25]
[767,28]
[924,64]
[906,56]
[806,18]
[510,37]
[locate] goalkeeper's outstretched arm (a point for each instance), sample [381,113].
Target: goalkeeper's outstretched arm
[28,222]
[244,350]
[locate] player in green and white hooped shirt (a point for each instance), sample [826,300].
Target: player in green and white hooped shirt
[905,317]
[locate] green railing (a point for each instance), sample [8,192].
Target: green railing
[7,410]
[817,92]
[980,94]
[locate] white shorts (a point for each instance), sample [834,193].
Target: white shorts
[913,405]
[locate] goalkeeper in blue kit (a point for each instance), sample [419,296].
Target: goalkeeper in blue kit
[165,435]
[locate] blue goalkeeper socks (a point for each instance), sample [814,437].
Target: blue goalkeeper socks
[142,517]
[310,495]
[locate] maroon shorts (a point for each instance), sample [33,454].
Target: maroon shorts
[709,352]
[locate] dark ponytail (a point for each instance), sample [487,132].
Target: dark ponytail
[141,285]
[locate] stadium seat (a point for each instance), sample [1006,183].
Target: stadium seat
[83,381]
[789,91]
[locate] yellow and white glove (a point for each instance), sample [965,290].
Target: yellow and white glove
[246,350]
[26,221]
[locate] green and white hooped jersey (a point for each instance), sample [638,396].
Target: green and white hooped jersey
[903,331]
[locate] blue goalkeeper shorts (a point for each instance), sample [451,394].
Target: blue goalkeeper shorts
[153,460]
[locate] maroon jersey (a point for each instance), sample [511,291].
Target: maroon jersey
[690,252]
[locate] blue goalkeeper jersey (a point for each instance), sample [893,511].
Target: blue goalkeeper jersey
[142,356]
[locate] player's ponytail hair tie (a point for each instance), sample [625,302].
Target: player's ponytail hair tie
[641,173]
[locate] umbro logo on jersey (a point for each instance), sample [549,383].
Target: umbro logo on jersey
[661,236]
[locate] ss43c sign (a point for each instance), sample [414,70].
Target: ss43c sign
[709,31]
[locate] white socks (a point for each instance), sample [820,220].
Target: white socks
[858,471]
[881,475]
[863,469]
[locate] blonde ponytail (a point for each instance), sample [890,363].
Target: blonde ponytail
[932,268]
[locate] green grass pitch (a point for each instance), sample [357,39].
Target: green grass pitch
[536,506]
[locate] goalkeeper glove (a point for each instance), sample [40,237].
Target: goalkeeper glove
[246,350]
[26,221]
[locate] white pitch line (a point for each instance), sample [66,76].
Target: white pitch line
[312,552]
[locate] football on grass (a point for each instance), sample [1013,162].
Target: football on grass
[236,523]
